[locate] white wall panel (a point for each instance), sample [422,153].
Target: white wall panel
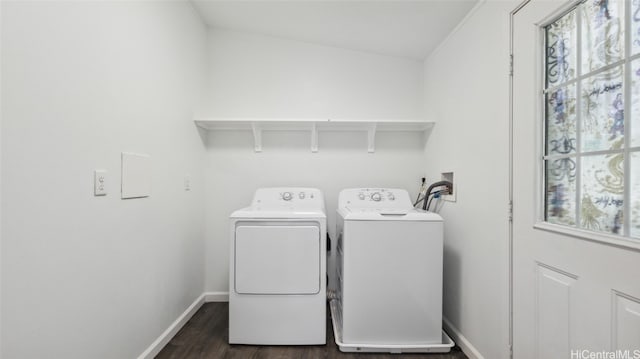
[86,276]
[261,76]
[467,93]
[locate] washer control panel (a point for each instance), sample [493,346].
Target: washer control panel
[375,198]
[377,194]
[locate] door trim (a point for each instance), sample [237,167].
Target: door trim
[511,47]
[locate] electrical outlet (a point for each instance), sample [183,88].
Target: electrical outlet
[100,183]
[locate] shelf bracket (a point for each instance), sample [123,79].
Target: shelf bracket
[314,138]
[371,138]
[257,137]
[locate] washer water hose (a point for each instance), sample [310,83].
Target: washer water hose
[447,184]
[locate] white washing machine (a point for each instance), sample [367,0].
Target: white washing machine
[277,281]
[389,270]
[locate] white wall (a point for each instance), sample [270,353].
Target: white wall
[261,76]
[85,276]
[258,76]
[466,90]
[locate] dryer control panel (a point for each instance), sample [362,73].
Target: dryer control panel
[375,198]
[295,198]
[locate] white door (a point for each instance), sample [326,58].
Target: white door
[572,295]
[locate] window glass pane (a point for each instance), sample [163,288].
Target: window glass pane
[601,206]
[635,103]
[561,50]
[635,26]
[603,111]
[635,194]
[561,191]
[585,120]
[602,33]
[561,121]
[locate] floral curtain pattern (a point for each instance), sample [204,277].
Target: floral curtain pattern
[602,33]
[603,111]
[561,50]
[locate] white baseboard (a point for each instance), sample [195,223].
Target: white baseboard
[216,297]
[173,329]
[461,341]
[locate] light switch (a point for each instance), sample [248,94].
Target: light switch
[187,183]
[100,183]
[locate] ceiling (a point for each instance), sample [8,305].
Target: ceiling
[401,28]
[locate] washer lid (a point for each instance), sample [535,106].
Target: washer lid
[382,214]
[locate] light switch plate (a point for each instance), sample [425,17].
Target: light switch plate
[187,183]
[100,183]
[136,175]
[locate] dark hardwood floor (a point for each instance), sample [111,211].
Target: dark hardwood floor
[206,336]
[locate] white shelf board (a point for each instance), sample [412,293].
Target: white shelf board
[257,125]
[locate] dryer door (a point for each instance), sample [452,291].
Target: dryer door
[280,259]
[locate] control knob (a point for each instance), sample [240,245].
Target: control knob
[287,196]
[375,196]
[361,196]
[301,195]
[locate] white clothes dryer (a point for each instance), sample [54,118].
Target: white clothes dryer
[389,270]
[277,272]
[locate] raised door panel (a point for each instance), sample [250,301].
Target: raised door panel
[626,323]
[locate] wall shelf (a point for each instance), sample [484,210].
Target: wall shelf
[258,125]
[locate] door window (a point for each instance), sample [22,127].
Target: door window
[592,118]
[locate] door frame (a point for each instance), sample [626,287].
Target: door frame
[511,48]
